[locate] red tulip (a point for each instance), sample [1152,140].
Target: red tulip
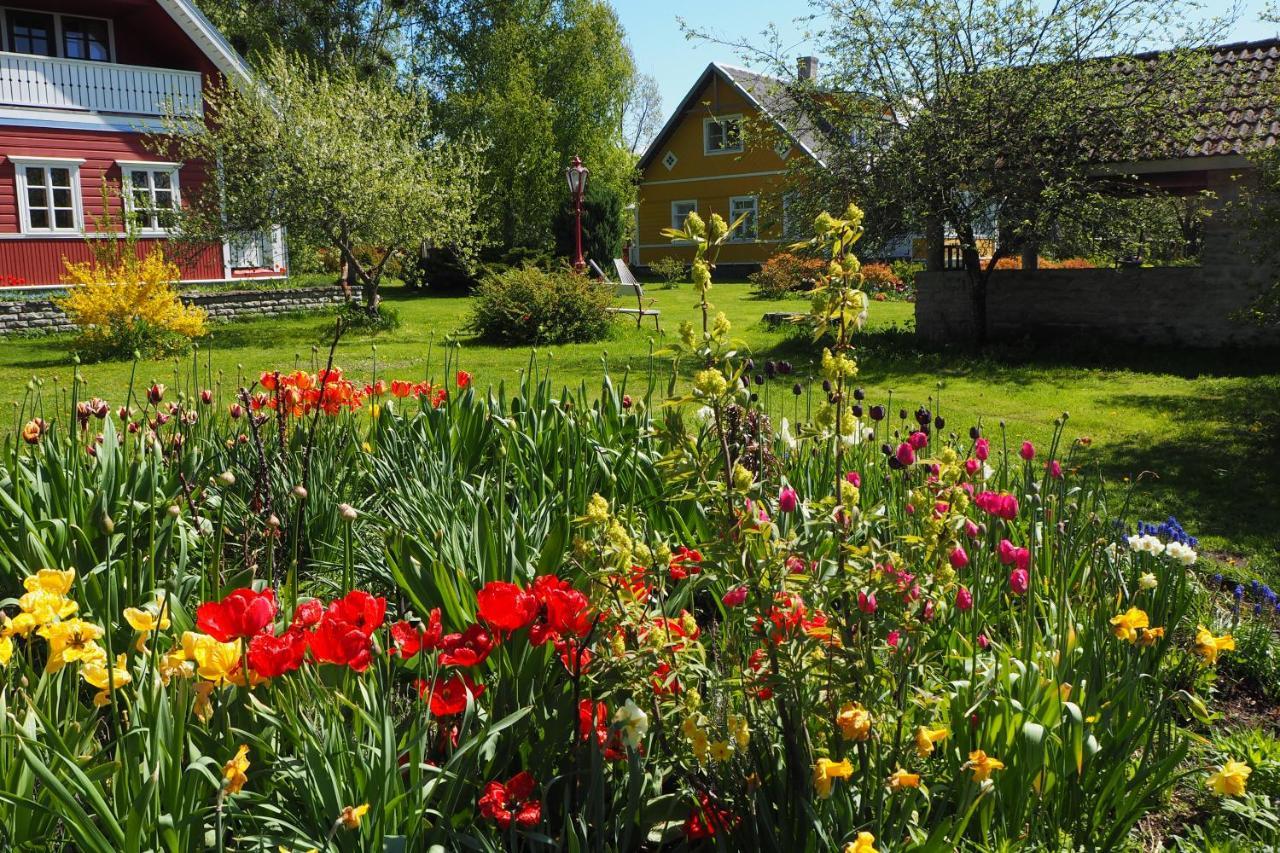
[735,597]
[905,454]
[1055,469]
[445,697]
[503,803]
[918,440]
[1019,581]
[964,599]
[506,607]
[958,558]
[339,642]
[271,656]
[241,614]
[470,648]
[307,614]
[463,379]
[982,449]
[360,610]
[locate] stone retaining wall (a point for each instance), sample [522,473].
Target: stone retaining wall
[41,315]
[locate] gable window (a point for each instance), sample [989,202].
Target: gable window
[722,135]
[680,211]
[48,195]
[86,38]
[31,32]
[151,194]
[747,206]
[52,34]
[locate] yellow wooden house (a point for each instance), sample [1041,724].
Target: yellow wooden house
[709,158]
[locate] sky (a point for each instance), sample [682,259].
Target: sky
[661,49]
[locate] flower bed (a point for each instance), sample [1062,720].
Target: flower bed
[324,613]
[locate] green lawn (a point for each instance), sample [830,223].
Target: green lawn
[1201,433]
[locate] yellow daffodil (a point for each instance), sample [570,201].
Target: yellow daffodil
[52,581]
[982,765]
[234,770]
[826,771]
[739,729]
[721,750]
[71,641]
[351,815]
[1126,625]
[99,675]
[1208,646]
[902,779]
[1150,636]
[864,843]
[926,738]
[1230,779]
[854,721]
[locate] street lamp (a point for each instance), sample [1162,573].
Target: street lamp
[577,175]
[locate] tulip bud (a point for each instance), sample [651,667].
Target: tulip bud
[347,512]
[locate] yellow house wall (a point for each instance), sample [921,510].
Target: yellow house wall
[712,180]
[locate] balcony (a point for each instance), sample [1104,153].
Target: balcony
[38,82]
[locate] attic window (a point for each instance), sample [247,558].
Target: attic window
[670,160]
[722,135]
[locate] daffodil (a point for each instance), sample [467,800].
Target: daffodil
[902,779]
[1230,779]
[351,815]
[104,678]
[234,770]
[854,721]
[826,771]
[1150,636]
[926,738]
[982,765]
[1126,625]
[864,843]
[1208,646]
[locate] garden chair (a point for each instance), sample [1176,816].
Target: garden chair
[629,287]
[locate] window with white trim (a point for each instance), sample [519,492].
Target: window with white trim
[789,215]
[680,211]
[746,205]
[151,194]
[722,135]
[48,195]
[57,35]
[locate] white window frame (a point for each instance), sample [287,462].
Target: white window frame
[670,155]
[678,224]
[58,46]
[755,218]
[706,135]
[20,166]
[788,225]
[126,188]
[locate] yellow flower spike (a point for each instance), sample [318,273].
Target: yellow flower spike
[902,779]
[234,770]
[52,581]
[854,721]
[864,843]
[1208,646]
[826,771]
[1230,779]
[926,738]
[1126,625]
[351,815]
[982,765]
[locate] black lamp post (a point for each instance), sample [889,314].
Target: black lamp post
[577,175]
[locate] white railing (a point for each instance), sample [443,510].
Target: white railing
[74,84]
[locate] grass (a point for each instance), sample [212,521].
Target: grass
[1195,433]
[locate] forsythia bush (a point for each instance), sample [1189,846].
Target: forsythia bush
[129,305]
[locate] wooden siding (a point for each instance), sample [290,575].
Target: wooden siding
[67,84]
[712,180]
[43,260]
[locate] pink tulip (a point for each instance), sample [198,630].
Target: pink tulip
[735,597]
[1019,581]
[918,440]
[971,530]
[983,642]
[788,500]
[972,466]
[892,639]
[855,478]
[958,558]
[997,504]
[982,449]
[906,455]
[1005,551]
[1055,469]
[1027,451]
[867,602]
[964,599]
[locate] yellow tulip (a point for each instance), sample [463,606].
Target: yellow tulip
[864,843]
[854,721]
[71,641]
[52,581]
[6,650]
[214,661]
[105,678]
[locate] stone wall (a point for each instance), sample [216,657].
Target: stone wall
[41,315]
[1173,306]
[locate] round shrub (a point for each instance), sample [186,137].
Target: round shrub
[880,278]
[785,274]
[526,305]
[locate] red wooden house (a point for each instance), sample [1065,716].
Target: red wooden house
[81,84]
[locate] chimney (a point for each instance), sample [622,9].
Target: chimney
[808,68]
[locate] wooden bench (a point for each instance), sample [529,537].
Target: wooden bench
[628,287]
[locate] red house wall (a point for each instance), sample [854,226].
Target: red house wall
[143,33]
[39,260]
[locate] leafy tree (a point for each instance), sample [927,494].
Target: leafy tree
[602,228]
[339,160]
[641,113]
[987,118]
[539,81]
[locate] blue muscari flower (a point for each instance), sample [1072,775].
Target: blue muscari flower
[1217,579]
[1257,609]
[1254,587]
[1238,592]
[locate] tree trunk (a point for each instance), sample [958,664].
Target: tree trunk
[977,292]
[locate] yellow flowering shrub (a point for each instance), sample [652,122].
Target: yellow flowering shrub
[129,304]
